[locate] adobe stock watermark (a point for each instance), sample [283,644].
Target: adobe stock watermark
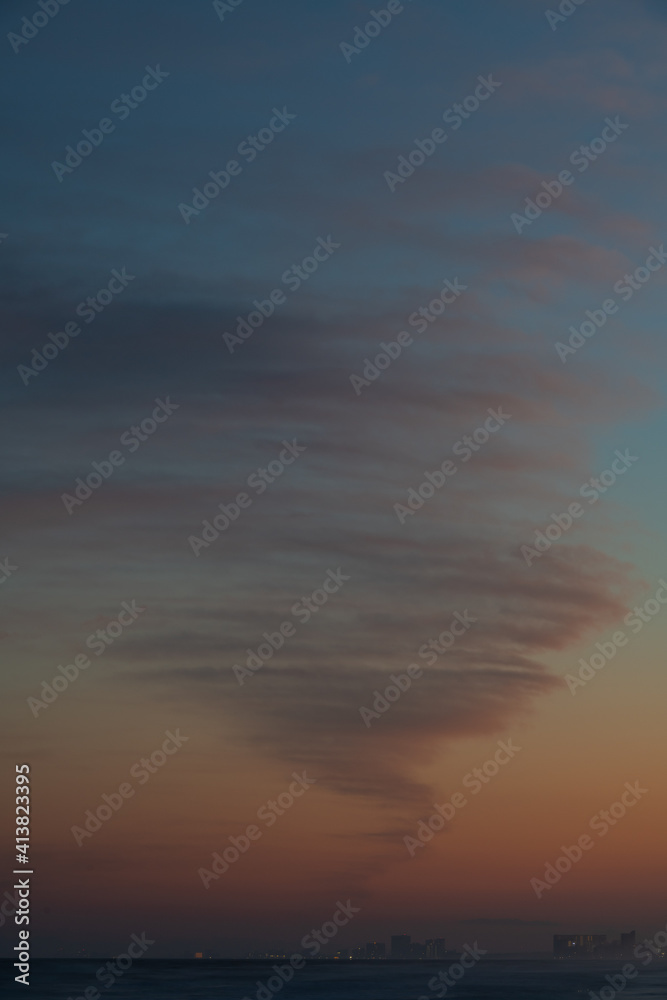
[379,19]
[465,448]
[582,157]
[248,149]
[98,641]
[566,9]
[606,651]
[122,107]
[8,907]
[259,481]
[400,683]
[222,7]
[470,956]
[293,277]
[602,822]
[313,942]
[268,813]
[6,570]
[419,320]
[647,951]
[475,780]
[130,439]
[626,288]
[592,489]
[302,611]
[31,26]
[142,771]
[454,116]
[111,972]
[88,309]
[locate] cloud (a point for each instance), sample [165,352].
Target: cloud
[334,507]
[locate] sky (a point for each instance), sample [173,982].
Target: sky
[365,197]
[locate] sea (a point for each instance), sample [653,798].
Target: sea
[248,980]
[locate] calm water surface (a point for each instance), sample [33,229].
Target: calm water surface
[208,980]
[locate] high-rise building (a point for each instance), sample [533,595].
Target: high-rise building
[579,945]
[375,949]
[400,946]
[627,944]
[435,948]
[417,950]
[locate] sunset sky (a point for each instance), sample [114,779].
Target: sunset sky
[185,280]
